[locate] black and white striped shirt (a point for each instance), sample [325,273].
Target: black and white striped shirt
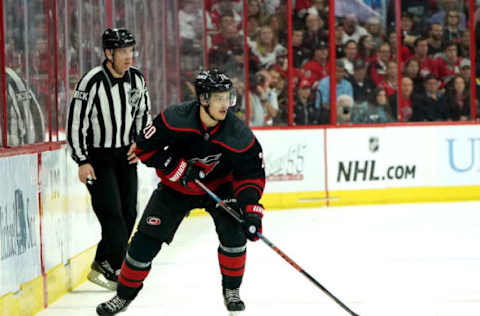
[106,112]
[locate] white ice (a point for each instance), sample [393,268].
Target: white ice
[408,260]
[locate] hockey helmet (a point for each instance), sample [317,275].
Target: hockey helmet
[117,38]
[214,80]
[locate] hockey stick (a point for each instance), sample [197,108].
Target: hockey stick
[237,217]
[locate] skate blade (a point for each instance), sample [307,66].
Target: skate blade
[95,277]
[235,313]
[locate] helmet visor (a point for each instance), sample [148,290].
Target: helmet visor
[229,96]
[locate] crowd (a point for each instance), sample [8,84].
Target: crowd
[434,59]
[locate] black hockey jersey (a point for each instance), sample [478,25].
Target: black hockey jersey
[229,152]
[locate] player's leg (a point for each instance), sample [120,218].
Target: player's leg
[161,218]
[231,256]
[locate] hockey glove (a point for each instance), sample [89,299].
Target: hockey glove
[186,173]
[252,221]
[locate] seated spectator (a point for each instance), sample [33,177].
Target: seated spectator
[464,45]
[375,111]
[317,68]
[339,32]
[431,105]
[304,111]
[362,86]
[266,47]
[458,100]
[448,63]
[453,31]
[227,30]
[390,84]
[440,16]
[378,68]
[279,28]
[261,111]
[319,7]
[366,50]
[374,29]
[322,98]
[408,33]
[435,39]
[412,70]
[350,56]
[299,51]
[406,53]
[344,109]
[427,63]
[314,34]
[352,30]
[404,113]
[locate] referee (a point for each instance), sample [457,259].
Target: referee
[109,107]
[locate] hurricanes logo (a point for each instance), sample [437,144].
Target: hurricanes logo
[154,221]
[208,163]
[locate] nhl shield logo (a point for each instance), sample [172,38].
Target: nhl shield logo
[134,97]
[373,144]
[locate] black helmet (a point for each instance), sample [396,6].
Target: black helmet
[117,38]
[214,80]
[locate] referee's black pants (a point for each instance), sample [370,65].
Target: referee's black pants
[114,201]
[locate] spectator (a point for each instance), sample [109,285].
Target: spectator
[412,70]
[353,31]
[464,44]
[377,110]
[322,98]
[344,109]
[406,53]
[266,47]
[351,52]
[319,7]
[314,34]
[261,110]
[339,32]
[304,111]
[362,86]
[300,53]
[227,30]
[378,68]
[234,60]
[366,50]
[317,68]
[458,100]
[440,16]
[374,28]
[431,105]
[390,84]
[453,31]
[408,33]
[448,63]
[435,39]
[404,113]
[427,64]
[279,28]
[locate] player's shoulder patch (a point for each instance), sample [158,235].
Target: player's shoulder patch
[182,117]
[234,135]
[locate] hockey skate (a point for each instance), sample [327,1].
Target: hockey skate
[113,306]
[233,302]
[103,275]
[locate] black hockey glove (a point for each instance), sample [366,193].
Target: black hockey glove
[252,221]
[186,173]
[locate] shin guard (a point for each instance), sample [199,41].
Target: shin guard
[132,275]
[232,265]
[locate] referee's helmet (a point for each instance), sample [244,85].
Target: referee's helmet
[117,38]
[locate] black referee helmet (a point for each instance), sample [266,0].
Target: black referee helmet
[117,38]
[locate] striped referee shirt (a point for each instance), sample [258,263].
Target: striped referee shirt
[106,112]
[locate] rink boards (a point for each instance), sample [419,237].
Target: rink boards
[49,232]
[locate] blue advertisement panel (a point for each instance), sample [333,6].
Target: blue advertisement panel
[19,222]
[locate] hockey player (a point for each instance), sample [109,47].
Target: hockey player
[199,139]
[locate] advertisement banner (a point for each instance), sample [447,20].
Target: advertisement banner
[294,160]
[375,158]
[458,151]
[55,233]
[19,222]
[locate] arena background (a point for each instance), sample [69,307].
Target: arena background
[48,231]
